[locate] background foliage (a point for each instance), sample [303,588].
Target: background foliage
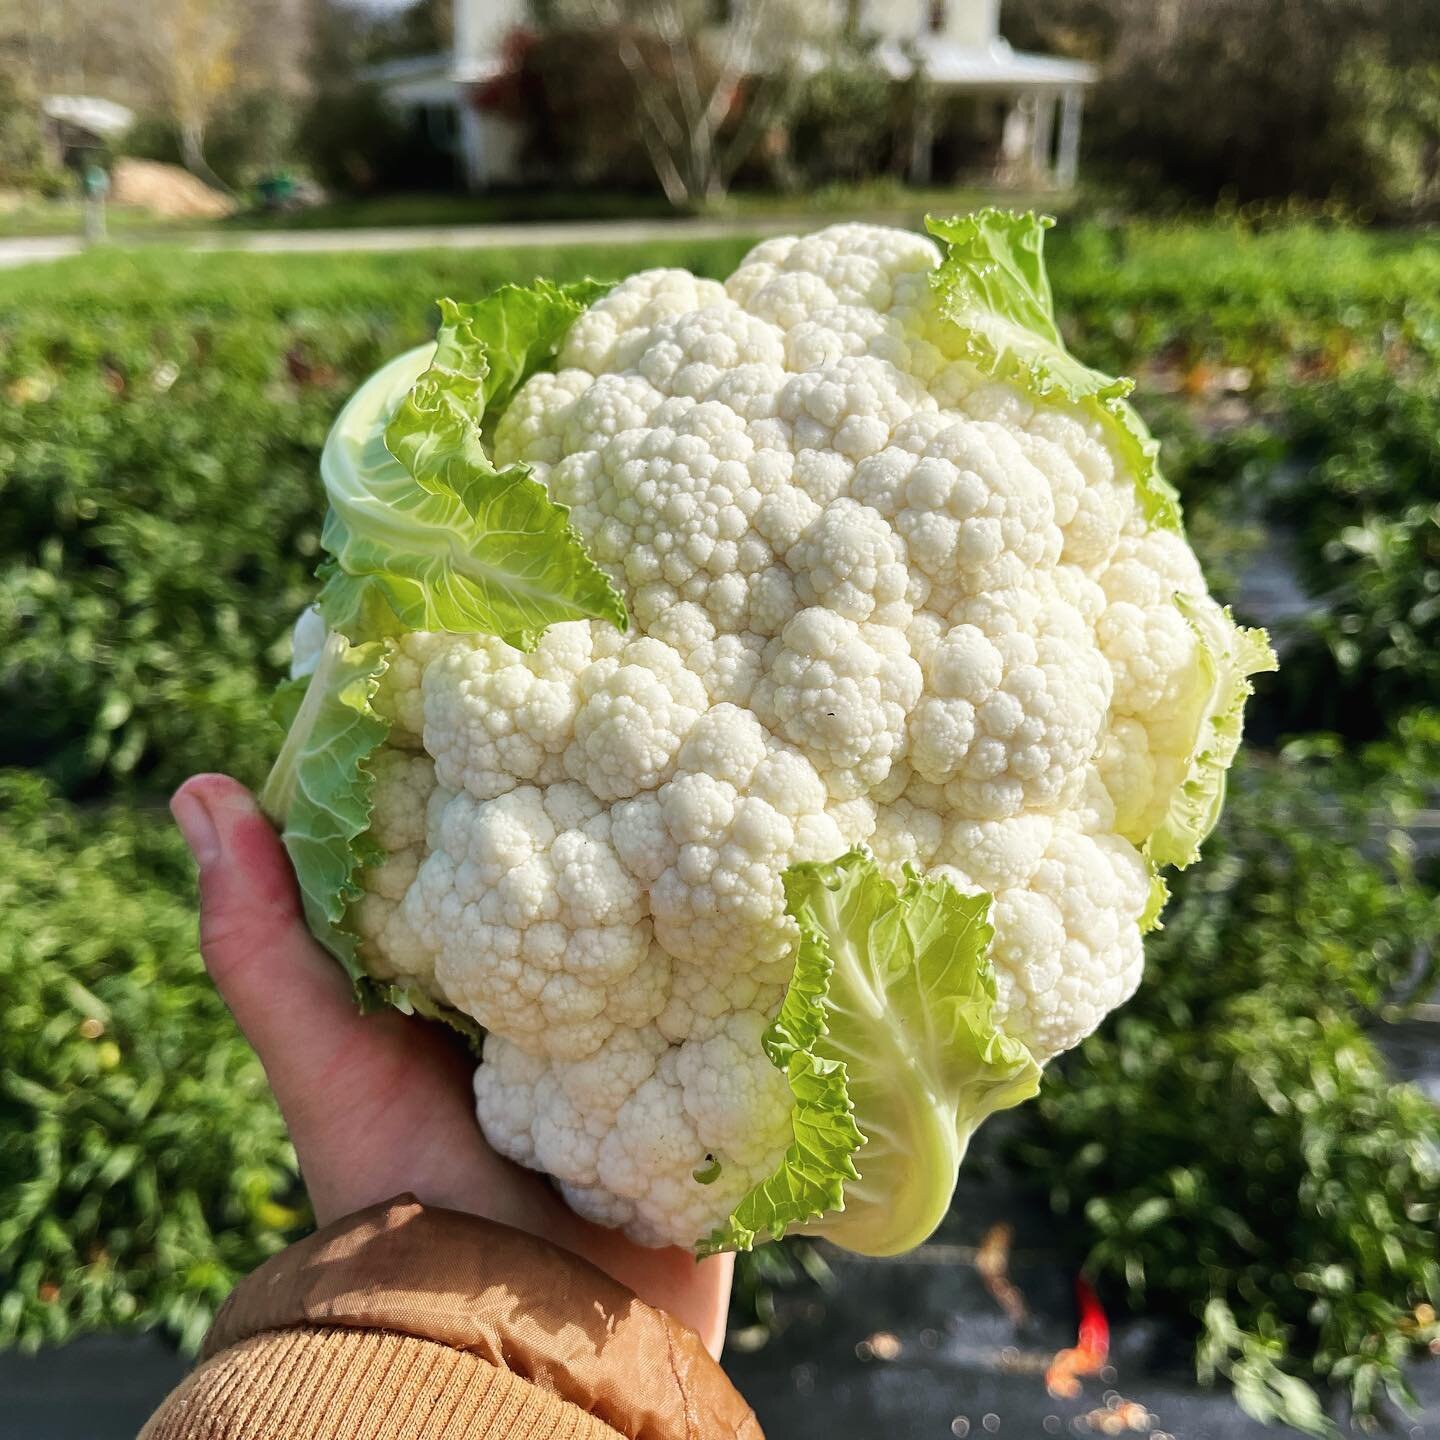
[145,1168]
[1326,99]
[1296,1221]
[160,421]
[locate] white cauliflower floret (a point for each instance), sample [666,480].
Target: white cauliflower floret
[534,924]
[977,513]
[528,427]
[843,412]
[689,1120]
[877,596]
[607,335]
[823,335]
[691,354]
[907,834]
[702,998]
[1159,690]
[505,1097]
[399,697]
[612,404]
[719,900]
[403,799]
[495,717]
[1067,909]
[840,692]
[1097,887]
[1093,500]
[1010,723]
[635,710]
[848,560]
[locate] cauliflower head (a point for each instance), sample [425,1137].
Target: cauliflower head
[761,710]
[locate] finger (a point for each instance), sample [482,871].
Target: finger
[289,997]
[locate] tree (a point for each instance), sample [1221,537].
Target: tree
[424,27]
[192,50]
[24,160]
[64,47]
[183,60]
[705,90]
[1318,98]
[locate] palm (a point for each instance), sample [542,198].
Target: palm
[381,1105]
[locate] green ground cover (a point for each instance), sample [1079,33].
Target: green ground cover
[896,202]
[161,415]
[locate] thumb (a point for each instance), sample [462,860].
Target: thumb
[288,996]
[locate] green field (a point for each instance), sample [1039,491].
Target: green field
[886,200]
[161,415]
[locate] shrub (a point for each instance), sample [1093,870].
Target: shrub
[254,133]
[554,85]
[1231,1144]
[843,129]
[355,142]
[1394,112]
[145,1168]
[1317,98]
[1364,511]
[25,162]
[162,531]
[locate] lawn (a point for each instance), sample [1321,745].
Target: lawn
[161,415]
[883,200]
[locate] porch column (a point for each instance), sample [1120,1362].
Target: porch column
[472,137]
[1067,159]
[1015,133]
[1042,137]
[922,128]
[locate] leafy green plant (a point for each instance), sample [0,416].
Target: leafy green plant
[1231,1145]
[144,1167]
[1366,517]
[1301,302]
[25,157]
[843,126]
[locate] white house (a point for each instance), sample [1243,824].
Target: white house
[957,44]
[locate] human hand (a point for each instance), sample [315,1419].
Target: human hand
[380,1104]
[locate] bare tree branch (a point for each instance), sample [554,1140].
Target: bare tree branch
[688,72]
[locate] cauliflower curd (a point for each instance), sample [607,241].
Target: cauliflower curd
[885,590]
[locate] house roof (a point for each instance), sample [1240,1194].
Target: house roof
[995,66]
[475,71]
[89,112]
[430,79]
[408,67]
[423,79]
[418,79]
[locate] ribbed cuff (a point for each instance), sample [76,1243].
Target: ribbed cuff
[312,1384]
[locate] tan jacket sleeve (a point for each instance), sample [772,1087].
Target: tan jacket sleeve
[409,1323]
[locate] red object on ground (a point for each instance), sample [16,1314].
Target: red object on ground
[1090,1351]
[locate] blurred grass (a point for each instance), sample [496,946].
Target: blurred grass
[889,200]
[111,286]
